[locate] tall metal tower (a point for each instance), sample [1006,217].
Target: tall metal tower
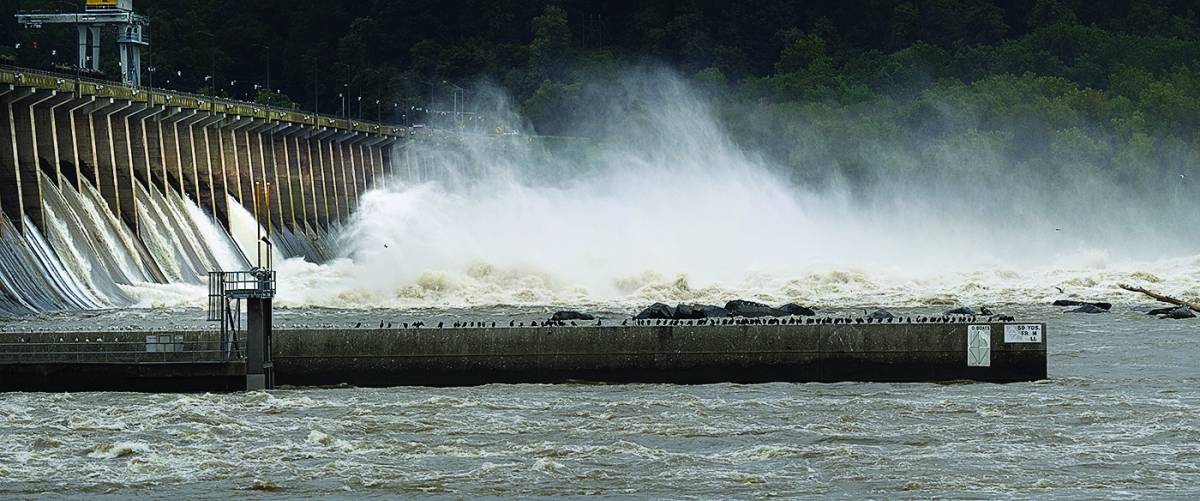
[98,14]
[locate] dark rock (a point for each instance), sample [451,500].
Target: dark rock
[656,311]
[961,310]
[1161,311]
[563,316]
[984,310]
[1088,308]
[1180,313]
[698,311]
[750,309]
[796,310]
[881,314]
[1072,302]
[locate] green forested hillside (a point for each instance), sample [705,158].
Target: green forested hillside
[1104,87]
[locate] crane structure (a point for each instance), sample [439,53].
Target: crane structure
[96,15]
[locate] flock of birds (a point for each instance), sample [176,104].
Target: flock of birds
[710,322]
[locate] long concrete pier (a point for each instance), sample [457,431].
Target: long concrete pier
[925,352]
[116,137]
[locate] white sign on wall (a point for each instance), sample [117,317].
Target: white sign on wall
[1023,333]
[979,346]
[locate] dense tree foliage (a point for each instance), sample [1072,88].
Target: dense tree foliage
[1048,84]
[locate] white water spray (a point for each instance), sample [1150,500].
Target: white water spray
[672,210]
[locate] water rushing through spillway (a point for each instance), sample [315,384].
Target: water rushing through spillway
[660,206]
[86,258]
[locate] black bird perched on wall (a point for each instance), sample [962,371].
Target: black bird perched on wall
[389,325]
[358,325]
[493,325]
[623,322]
[381,324]
[572,323]
[599,322]
[511,322]
[439,325]
[405,325]
[522,324]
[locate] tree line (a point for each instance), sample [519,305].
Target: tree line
[1109,86]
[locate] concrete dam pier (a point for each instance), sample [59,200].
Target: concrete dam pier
[927,352]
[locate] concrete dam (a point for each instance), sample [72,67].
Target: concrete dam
[103,184]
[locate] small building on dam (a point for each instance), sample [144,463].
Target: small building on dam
[104,184]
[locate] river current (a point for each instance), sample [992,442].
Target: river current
[1119,417]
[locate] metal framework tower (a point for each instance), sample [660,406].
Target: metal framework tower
[227,290]
[97,14]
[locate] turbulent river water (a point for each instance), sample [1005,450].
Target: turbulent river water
[1119,417]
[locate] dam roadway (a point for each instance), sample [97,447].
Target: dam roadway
[170,361]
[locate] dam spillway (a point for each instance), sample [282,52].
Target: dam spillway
[103,184]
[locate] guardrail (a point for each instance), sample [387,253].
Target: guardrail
[156,348]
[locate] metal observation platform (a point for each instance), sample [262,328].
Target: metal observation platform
[226,292]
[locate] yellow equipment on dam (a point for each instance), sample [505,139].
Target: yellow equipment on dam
[110,4]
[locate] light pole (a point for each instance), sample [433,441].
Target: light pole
[456,98]
[345,90]
[267,48]
[212,60]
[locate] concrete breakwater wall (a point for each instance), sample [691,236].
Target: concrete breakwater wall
[672,354]
[102,184]
[196,361]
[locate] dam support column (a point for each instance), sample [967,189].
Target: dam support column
[72,147]
[344,171]
[234,160]
[106,155]
[23,198]
[85,138]
[10,201]
[145,147]
[323,177]
[173,150]
[281,175]
[202,164]
[127,141]
[301,148]
[49,146]
[216,167]
[190,171]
